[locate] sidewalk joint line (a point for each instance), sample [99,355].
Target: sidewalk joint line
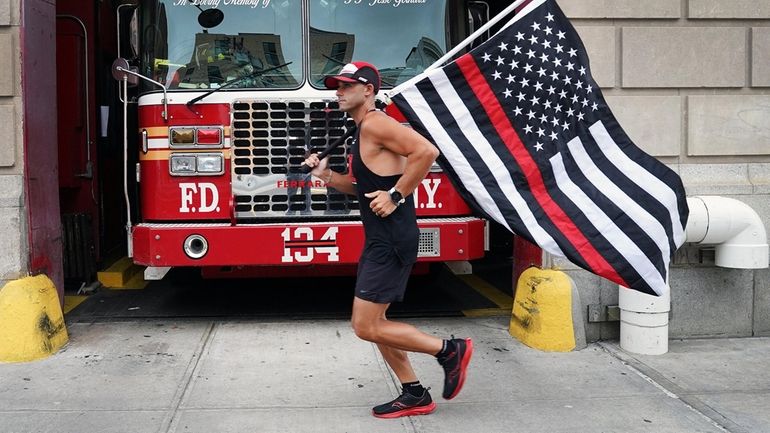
[182,393]
[673,390]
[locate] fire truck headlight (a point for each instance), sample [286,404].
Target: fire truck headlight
[182,165]
[210,164]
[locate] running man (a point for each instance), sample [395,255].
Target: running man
[389,161]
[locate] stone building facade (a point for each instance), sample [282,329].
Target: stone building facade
[689,81]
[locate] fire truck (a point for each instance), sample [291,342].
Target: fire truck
[230,99]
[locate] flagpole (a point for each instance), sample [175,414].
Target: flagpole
[459,47]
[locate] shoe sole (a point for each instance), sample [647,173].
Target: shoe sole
[463,366]
[420,410]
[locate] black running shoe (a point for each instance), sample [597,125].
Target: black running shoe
[406,405]
[455,363]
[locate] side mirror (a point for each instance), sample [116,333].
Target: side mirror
[211,18]
[121,69]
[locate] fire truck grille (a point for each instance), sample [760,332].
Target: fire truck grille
[269,142]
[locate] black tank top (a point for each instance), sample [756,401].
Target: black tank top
[397,233]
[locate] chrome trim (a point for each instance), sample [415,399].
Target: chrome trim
[145,141]
[435,168]
[194,250]
[161,226]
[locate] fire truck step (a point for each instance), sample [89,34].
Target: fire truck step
[123,274]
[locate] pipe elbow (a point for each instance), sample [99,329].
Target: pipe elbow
[733,227]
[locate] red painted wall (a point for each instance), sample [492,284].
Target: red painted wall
[38,75]
[78,194]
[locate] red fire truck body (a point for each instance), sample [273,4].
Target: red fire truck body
[219,175]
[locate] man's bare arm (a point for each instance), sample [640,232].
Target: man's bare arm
[419,152]
[321,170]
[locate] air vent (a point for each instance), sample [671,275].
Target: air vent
[430,243]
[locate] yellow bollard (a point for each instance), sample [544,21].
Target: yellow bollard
[546,311]
[31,321]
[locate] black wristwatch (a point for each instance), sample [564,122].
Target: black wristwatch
[396,197]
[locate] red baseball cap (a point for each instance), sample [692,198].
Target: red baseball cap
[355,72]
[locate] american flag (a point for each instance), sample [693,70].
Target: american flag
[528,139]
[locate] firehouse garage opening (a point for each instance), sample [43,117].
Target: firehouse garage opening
[202,172]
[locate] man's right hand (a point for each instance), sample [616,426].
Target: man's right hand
[318,166]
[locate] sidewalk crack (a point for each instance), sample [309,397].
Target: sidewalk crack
[184,389]
[713,416]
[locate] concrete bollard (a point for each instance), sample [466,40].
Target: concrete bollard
[643,322]
[31,320]
[547,313]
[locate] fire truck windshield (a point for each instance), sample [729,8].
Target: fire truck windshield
[400,37]
[254,36]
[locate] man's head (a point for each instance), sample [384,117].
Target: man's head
[355,72]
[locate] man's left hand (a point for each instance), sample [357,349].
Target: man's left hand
[381,204]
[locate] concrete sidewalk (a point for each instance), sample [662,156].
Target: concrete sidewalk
[316,376]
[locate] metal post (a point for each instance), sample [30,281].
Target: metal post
[125,166]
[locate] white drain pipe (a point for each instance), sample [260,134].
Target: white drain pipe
[643,321]
[735,228]
[740,242]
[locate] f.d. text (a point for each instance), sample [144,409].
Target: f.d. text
[208,197]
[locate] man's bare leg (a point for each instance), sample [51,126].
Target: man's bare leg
[370,324]
[398,360]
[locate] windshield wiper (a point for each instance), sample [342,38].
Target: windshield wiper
[334,60]
[235,80]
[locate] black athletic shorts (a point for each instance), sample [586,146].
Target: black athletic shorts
[382,278]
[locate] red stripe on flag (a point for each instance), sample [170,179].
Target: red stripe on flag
[504,128]
[518,9]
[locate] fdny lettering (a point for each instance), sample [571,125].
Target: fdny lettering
[299,245]
[207,194]
[299,184]
[430,186]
